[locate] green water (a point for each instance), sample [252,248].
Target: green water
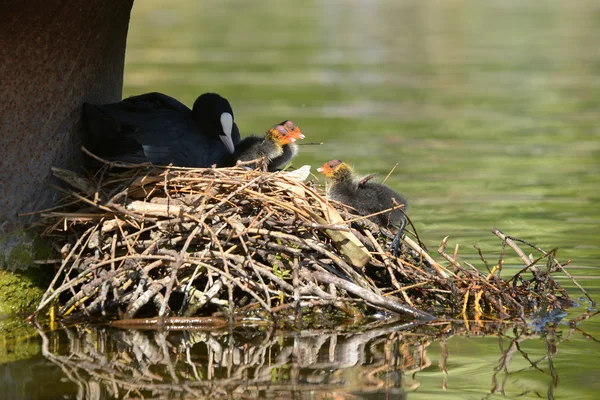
[490,110]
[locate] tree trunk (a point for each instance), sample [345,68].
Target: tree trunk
[54,55]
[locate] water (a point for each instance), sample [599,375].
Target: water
[383,361]
[490,110]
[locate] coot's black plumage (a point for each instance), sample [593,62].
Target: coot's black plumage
[365,197]
[156,128]
[277,147]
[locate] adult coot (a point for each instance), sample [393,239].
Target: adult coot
[156,128]
[366,197]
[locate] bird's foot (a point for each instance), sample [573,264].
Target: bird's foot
[395,245]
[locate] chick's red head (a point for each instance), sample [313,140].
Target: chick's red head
[283,135]
[329,168]
[293,129]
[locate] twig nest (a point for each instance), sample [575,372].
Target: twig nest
[231,242]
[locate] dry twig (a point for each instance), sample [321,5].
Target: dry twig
[145,241]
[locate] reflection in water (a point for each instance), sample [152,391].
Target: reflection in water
[388,359]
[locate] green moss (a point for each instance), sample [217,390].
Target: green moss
[22,282]
[21,291]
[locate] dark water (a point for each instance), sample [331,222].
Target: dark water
[490,110]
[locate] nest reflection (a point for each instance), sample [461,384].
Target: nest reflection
[245,363]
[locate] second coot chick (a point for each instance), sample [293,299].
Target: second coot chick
[277,147]
[156,128]
[366,197]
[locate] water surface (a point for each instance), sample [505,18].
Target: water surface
[490,109]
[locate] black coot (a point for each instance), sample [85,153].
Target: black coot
[156,128]
[366,197]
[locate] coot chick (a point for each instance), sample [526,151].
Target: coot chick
[366,197]
[277,147]
[290,150]
[156,128]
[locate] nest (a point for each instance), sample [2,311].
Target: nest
[212,247]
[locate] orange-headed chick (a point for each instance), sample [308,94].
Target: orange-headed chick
[290,150]
[277,147]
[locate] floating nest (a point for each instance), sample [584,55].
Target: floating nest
[210,247]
